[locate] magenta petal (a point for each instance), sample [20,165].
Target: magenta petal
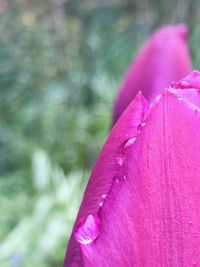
[151,213]
[152,216]
[106,171]
[164,58]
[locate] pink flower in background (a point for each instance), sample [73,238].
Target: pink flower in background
[163,58]
[141,205]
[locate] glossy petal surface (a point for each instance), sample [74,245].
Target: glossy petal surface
[151,213]
[164,58]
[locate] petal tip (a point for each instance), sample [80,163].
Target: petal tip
[183,31]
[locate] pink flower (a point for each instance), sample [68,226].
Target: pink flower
[163,58]
[141,206]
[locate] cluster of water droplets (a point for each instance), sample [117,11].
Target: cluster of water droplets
[184,84]
[121,156]
[103,197]
[122,150]
[88,228]
[181,85]
[192,81]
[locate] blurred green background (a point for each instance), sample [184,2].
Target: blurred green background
[61,62]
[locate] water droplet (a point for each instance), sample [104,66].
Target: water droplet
[151,105]
[141,125]
[116,179]
[87,229]
[124,177]
[158,98]
[120,159]
[101,203]
[130,142]
[103,197]
[184,84]
[121,153]
[180,98]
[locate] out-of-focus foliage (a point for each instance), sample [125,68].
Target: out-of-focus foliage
[60,64]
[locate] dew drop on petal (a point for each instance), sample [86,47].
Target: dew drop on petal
[158,98]
[141,125]
[180,98]
[116,179]
[121,154]
[153,105]
[104,196]
[130,142]
[101,202]
[87,229]
[184,84]
[124,177]
[120,159]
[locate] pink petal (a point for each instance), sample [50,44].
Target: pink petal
[106,170]
[151,214]
[164,58]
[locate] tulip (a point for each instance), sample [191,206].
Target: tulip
[141,205]
[163,58]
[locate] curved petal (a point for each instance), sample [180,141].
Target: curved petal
[151,213]
[164,58]
[151,217]
[106,168]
